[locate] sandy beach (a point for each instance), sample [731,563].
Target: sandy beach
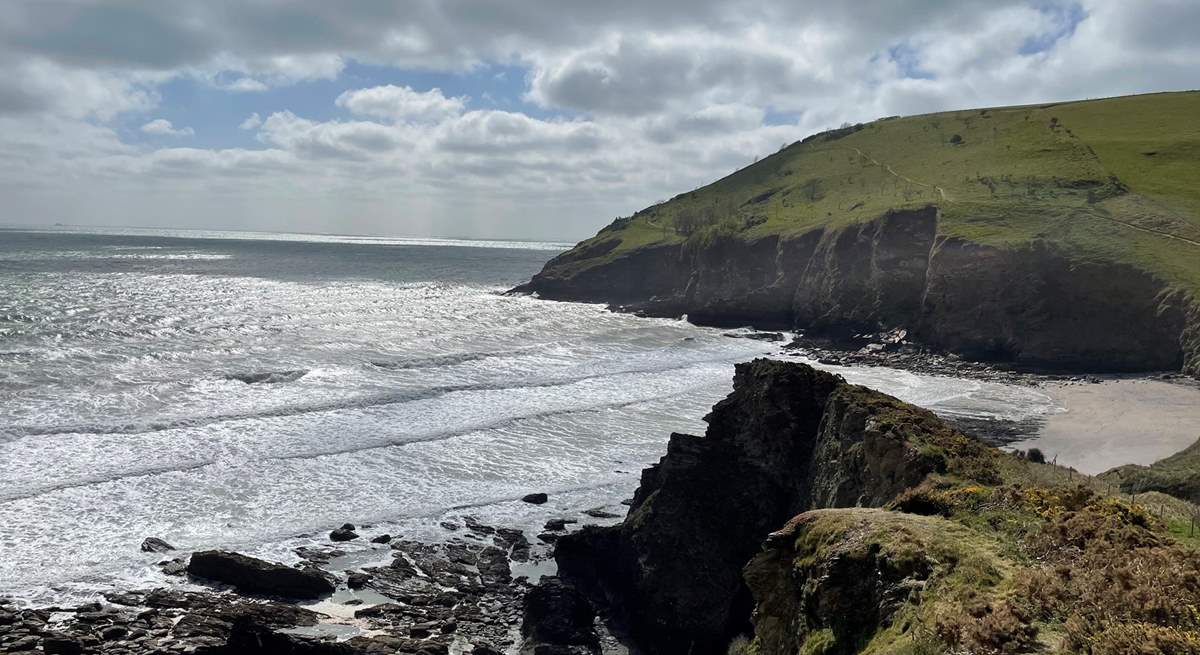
[1118,422]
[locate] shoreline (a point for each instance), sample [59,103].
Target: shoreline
[1118,421]
[1104,420]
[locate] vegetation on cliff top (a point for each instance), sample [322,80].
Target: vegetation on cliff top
[1177,475]
[990,553]
[1108,180]
[1038,559]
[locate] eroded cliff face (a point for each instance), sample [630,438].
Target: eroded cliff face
[1029,304]
[831,581]
[789,438]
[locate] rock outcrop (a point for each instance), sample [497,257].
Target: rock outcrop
[831,580]
[558,620]
[1031,304]
[789,438]
[255,576]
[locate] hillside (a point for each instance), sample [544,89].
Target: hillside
[1065,235]
[1177,475]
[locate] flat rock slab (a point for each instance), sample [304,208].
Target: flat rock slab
[255,576]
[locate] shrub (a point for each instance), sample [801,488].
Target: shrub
[1036,456]
[741,645]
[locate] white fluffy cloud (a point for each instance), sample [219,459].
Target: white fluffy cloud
[401,103]
[622,104]
[163,127]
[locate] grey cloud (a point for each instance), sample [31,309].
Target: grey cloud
[669,94]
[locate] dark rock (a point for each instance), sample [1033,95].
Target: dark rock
[493,565]
[156,545]
[474,524]
[60,644]
[536,499]
[250,575]
[382,539]
[449,525]
[113,633]
[600,513]
[344,533]
[558,525]
[484,649]
[557,614]
[176,566]
[787,439]
[357,580]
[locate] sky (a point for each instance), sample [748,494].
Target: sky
[536,119]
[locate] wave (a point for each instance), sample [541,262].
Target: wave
[436,361]
[364,402]
[390,442]
[268,377]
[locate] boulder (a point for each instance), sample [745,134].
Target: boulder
[156,545]
[255,576]
[382,539]
[536,499]
[558,525]
[344,533]
[557,614]
[357,580]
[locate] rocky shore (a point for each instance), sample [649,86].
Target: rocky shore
[456,596]
[814,516]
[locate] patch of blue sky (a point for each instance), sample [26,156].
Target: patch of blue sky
[1066,17]
[777,117]
[908,60]
[215,112]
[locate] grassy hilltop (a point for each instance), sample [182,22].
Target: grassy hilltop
[1113,180]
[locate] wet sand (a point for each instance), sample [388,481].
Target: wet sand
[1118,422]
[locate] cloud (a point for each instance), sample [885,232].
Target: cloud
[163,127]
[253,121]
[402,104]
[607,106]
[354,140]
[245,84]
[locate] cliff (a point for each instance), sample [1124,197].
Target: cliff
[968,549]
[1063,236]
[787,439]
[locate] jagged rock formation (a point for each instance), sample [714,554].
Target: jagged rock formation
[938,544]
[787,439]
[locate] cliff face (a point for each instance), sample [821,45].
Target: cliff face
[787,439]
[820,517]
[1030,304]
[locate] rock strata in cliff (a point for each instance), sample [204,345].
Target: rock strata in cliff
[1031,304]
[789,438]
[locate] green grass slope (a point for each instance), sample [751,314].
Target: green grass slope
[1177,475]
[1105,180]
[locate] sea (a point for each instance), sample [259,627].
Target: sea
[253,391]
